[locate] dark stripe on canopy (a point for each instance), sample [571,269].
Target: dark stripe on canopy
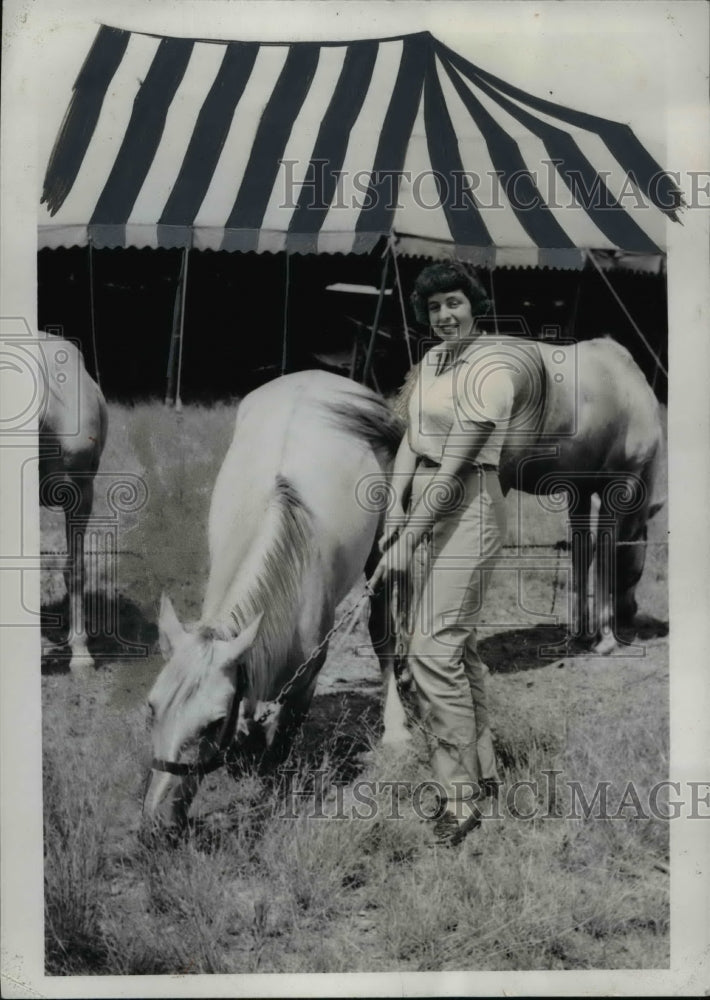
[205,146]
[142,138]
[381,197]
[632,156]
[269,144]
[82,114]
[331,145]
[462,213]
[515,178]
[585,183]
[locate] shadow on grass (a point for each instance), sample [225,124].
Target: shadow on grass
[129,634]
[532,648]
[521,649]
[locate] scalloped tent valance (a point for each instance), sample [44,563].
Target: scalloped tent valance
[318,147]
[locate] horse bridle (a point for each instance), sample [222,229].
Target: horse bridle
[219,756]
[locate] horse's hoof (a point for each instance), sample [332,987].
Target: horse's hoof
[81,667]
[396,738]
[606,645]
[395,748]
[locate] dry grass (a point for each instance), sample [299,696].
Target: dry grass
[250,890]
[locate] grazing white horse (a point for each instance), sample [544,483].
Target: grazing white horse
[288,539]
[72,433]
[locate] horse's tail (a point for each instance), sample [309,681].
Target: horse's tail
[368,417]
[401,400]
[653,478]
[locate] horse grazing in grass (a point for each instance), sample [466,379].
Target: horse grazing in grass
[288,539]
[585,424]
[72,432]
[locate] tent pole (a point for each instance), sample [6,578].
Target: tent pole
[284,344]
[376,322]
[493,302]
[93,311]
[175,352]
[398,281]
[353,356]
[626,312]
[178,400]
[572,322]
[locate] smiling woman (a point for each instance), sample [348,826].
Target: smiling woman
[446,479]
[487,413]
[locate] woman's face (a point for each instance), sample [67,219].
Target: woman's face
[450,315]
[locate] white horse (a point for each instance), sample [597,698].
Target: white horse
[289,536]
[72,433]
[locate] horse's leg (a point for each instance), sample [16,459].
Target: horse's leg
[630,561]
[383,642]
[291,717]
[621,555]
[76,523]
[582,543]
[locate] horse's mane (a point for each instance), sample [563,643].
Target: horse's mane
[280,552]
[272,571]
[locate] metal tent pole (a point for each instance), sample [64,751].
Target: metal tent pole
[572,321]
[376,321]
[626,313]
[172,390]
[93,312]
[493,301]
[284,343]
[178,400]
[398,282]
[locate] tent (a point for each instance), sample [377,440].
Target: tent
[326,147]
[329,147]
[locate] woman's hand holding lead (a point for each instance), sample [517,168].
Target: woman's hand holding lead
[396,559]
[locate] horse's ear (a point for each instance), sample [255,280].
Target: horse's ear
[236,647]
[169,628]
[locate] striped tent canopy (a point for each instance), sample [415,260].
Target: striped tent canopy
[314,147]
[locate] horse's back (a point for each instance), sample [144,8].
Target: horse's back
[300,425]
[616,406]
[600,414]
[74,415]
[326,438]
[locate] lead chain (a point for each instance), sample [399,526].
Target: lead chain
[300,671]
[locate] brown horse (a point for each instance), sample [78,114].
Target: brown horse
[72,433]
[585,424]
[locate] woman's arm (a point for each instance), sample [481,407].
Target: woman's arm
[460,454]
[443,491]
[401,481]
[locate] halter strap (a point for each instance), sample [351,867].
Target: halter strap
[219,757]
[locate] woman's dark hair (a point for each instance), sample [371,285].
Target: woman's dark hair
[447,276]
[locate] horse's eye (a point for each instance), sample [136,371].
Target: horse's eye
[150,713]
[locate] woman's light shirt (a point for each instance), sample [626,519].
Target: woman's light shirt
[451,400]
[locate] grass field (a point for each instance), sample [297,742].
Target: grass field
[260,884]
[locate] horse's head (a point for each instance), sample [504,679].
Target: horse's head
[189,706]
